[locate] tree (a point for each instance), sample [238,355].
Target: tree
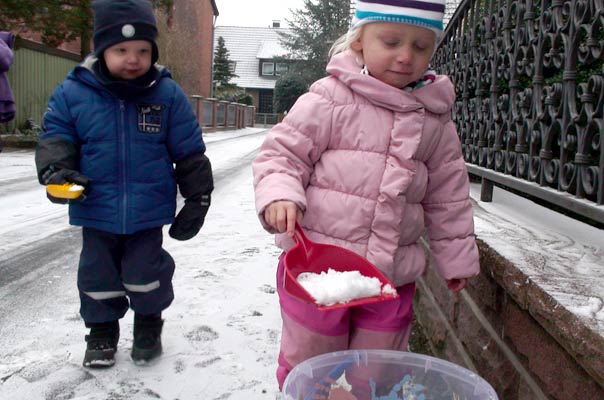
[222,68]
[56,21]
[287,90]
[314,29]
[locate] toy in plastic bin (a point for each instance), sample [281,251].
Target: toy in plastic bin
[67,190]
[383,375]
[309,256]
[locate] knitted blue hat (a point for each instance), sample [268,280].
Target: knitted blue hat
[117,21]
[425,13]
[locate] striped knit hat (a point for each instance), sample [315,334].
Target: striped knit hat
[425,13]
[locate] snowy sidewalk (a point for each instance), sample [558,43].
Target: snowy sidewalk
[221,333]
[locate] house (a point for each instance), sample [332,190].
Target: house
[257,60]
[186,34]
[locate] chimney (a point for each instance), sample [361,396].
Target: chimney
[276,23]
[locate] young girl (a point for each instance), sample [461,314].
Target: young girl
[370,160]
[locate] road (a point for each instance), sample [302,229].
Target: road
[39,251]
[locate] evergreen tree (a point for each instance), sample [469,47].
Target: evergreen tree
[287,90]
[314,29]
[222,71]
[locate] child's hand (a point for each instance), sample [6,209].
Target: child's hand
[190,218]
[282,216]
[63,175]
[455,285]
[60,176]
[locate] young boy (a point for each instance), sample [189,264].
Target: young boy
[116,126]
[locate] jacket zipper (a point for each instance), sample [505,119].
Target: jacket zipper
[124,163]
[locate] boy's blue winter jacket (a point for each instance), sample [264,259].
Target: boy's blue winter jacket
[126,147]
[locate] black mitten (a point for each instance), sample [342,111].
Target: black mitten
[190,219]
[61,176]
[194,178]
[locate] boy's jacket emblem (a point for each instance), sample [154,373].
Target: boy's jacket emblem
[150,118]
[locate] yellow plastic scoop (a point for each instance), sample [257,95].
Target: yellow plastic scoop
[65,191]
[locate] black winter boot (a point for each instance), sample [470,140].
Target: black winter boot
[147,337]
[101,344]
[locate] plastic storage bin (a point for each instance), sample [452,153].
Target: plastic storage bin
[383,375]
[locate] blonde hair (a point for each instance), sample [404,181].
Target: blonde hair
[345,41]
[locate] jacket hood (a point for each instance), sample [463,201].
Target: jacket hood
[437,97]
[86,72]
[8,38]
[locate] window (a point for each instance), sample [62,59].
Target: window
[268,68]
[265,101]
[274,69]
[281,68]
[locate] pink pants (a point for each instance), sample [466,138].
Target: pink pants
[308,332]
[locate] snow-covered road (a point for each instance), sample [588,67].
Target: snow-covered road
[221,333]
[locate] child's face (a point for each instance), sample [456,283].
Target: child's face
[128,60]
[396,54]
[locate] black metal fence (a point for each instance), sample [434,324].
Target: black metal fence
[530,97]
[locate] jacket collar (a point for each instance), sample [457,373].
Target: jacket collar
[90,73]
[437,97]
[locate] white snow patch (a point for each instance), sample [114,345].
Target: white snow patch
[561,255]
[331,287]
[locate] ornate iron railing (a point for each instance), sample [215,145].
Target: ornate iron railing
[530,97]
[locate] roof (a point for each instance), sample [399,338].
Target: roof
[246,46]
[270,50]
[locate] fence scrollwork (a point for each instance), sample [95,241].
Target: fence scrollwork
[529,76]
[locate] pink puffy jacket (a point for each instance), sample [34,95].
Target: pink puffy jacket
[373,168]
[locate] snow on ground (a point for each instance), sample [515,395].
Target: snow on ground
[221,333]
[210,137]
[18,171]
[561,255]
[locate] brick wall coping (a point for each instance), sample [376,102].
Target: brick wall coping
[552,267]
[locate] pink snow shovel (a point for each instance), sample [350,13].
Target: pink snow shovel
[309,256]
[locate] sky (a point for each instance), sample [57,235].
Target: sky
[221,335]
[255,13]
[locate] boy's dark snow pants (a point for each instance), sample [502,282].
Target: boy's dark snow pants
[114,268]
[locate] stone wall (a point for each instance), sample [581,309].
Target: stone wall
[512,334]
